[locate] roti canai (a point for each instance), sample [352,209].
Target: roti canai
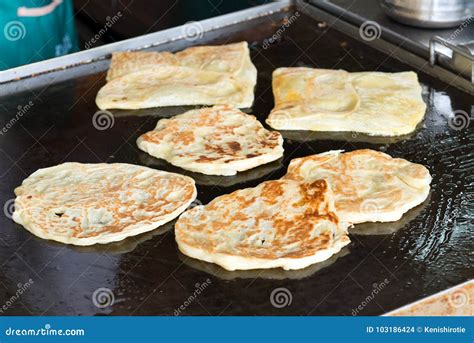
[218,140]
[368,185]
[281,223]
[85,204]
[202,75]
[375,103]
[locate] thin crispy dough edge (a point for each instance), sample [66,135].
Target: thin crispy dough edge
[357,217]
[232,262]
[36,230]
[216,168]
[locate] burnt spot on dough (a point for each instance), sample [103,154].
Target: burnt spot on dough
[234,146]
[215,148]
[252,155]
[203,158]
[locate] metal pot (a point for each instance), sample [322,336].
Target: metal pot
[429,13]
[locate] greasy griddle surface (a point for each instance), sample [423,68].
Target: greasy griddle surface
[427,251]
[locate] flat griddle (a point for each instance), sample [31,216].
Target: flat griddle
[427,251]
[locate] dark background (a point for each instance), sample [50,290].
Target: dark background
[145,16]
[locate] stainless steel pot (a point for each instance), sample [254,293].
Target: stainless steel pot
[429,13]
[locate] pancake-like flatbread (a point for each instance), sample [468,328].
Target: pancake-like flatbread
[273,274]
[375,103]
[368,185]
[85,204]
[203,75]
[124,62]
[281,223]
[218,140]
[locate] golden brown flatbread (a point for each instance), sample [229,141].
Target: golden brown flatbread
[282,223]
[219,140]
[203,75]
[368,185]
[375,103]
[85,204]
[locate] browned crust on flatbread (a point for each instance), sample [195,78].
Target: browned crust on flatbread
[290,230]
[226,153]
[345,175]
[46,213]
[124,62]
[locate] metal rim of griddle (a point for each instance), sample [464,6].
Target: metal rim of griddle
[391,42]
[137,43]
[339,19]
[454,51]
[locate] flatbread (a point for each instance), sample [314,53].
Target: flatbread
[218,140]
[375,103]
[272,274]
[368,185]
[280,223]
[204,75]
[124,62]
[85,204]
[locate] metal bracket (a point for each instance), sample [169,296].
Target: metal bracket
[460,58]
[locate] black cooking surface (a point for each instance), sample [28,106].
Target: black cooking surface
[427,251]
